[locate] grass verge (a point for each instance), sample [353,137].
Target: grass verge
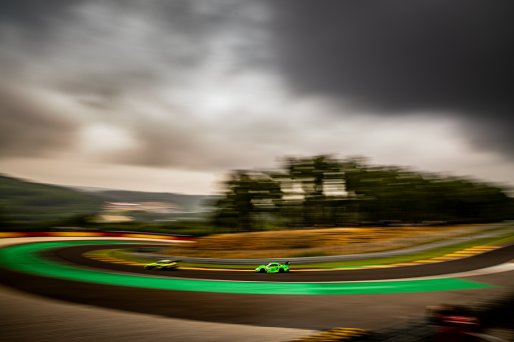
[503,239]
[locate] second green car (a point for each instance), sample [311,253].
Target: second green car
[162,265]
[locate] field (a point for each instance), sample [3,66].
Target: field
[319,242]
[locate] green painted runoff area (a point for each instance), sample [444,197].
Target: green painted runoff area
[26,258]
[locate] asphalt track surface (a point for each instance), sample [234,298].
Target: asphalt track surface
[26,317]
[298,311]
[75,255]
[30,260]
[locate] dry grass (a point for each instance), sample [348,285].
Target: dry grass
[314,242]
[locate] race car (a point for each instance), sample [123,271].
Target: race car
[273,267]
[453,319]
[162,265]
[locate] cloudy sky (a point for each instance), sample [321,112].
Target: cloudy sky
[170,95]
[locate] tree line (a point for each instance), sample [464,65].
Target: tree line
[325,191]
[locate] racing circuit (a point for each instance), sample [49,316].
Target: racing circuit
[369,298]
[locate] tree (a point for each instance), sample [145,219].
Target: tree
[249,197]
[322,190]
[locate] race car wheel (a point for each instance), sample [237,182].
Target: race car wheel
[262,270]
[281,270]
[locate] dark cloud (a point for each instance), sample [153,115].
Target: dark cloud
[31,127]
[34,14]
[454,57]
[101,55]
[35,20]
[175,36]
[233,141]
[198,84]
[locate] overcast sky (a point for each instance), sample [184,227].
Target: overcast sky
[170,95]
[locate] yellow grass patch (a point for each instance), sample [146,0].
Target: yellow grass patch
[312,242]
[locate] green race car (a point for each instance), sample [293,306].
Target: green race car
[162,265]
[273,267]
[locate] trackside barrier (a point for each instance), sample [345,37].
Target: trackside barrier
[95,234]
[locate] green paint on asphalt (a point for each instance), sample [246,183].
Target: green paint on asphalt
[26,258]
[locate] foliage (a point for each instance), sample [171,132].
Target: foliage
[33,206]
[25,204]
[250,198]
[324,191]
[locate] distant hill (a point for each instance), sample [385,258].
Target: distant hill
[183,202]
[25,203]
